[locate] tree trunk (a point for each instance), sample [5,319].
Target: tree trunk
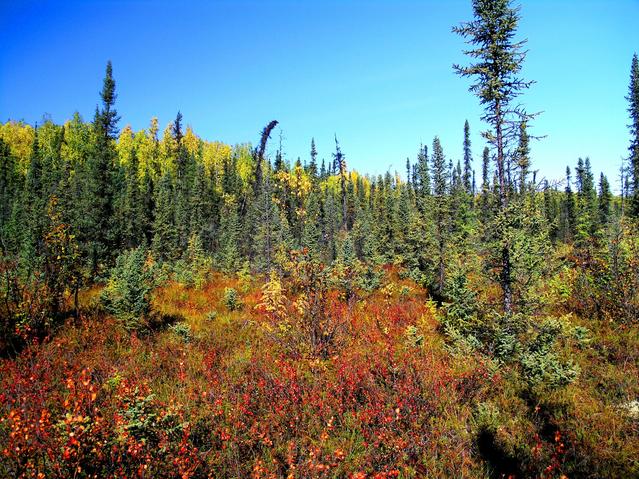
[505,276]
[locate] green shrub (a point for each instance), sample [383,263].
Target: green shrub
[231,299]
[183,331]
[370,279]
[193,269]
[540,362]
[460,317]
[126,295]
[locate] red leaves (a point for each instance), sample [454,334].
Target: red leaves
[239,402]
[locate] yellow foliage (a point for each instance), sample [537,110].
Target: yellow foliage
[125,145]
[245,163]
[168,146]
[192,143]
[148,149]
[19,136]
[273,299]
[214,153]
[77,138]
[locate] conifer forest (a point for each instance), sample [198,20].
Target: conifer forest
[177,307]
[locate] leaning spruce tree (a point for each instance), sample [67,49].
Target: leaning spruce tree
[498,61]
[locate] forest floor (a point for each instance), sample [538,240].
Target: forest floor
[235,389]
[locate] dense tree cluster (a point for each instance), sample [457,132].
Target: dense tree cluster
[100,192]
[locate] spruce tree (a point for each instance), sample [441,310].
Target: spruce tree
[586,215]
[9,187]
[270,233]
[330,224]
[199,203]
[422,185]
[339,165]
[568,211]
[523,157]
[131,207]
[183,179]
[633,110]
[33,210]
[604,201]
[164,243]
[312,166]
[311,231]
[441,212]
[99,189]
[497,85]
[551,210]
[229,257]
[468,160]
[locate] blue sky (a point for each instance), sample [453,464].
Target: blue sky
[376,73]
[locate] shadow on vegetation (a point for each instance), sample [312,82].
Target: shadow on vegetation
[501,463]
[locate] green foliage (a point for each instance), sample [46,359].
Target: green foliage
[522,231]
[633,110]
[164,233]
[461,312]
[515,273]
[370,279]
[182,331]
[229,253]
[126,294]
[231,299]
[194,268]
[540,362]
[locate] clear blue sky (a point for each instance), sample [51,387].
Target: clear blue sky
[376,73]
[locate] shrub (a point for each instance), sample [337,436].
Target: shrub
[126,295]
[320,320]
[194,267]
[273,299]
[540,362]
[413,337]
[183,331]
[460,317]
[244,276]
[370,279]
[231,299]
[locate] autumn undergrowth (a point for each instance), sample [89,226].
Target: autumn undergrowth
[300,377]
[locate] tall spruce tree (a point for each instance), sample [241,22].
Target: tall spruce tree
[633,110]
[441,212]
[523,158]
[9,187]
[568,211]
[99,234]
[422,185]
[339,165]
[183,183]
[312,166]
[497,85]
[604,201]
[33,210]
[468,160]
